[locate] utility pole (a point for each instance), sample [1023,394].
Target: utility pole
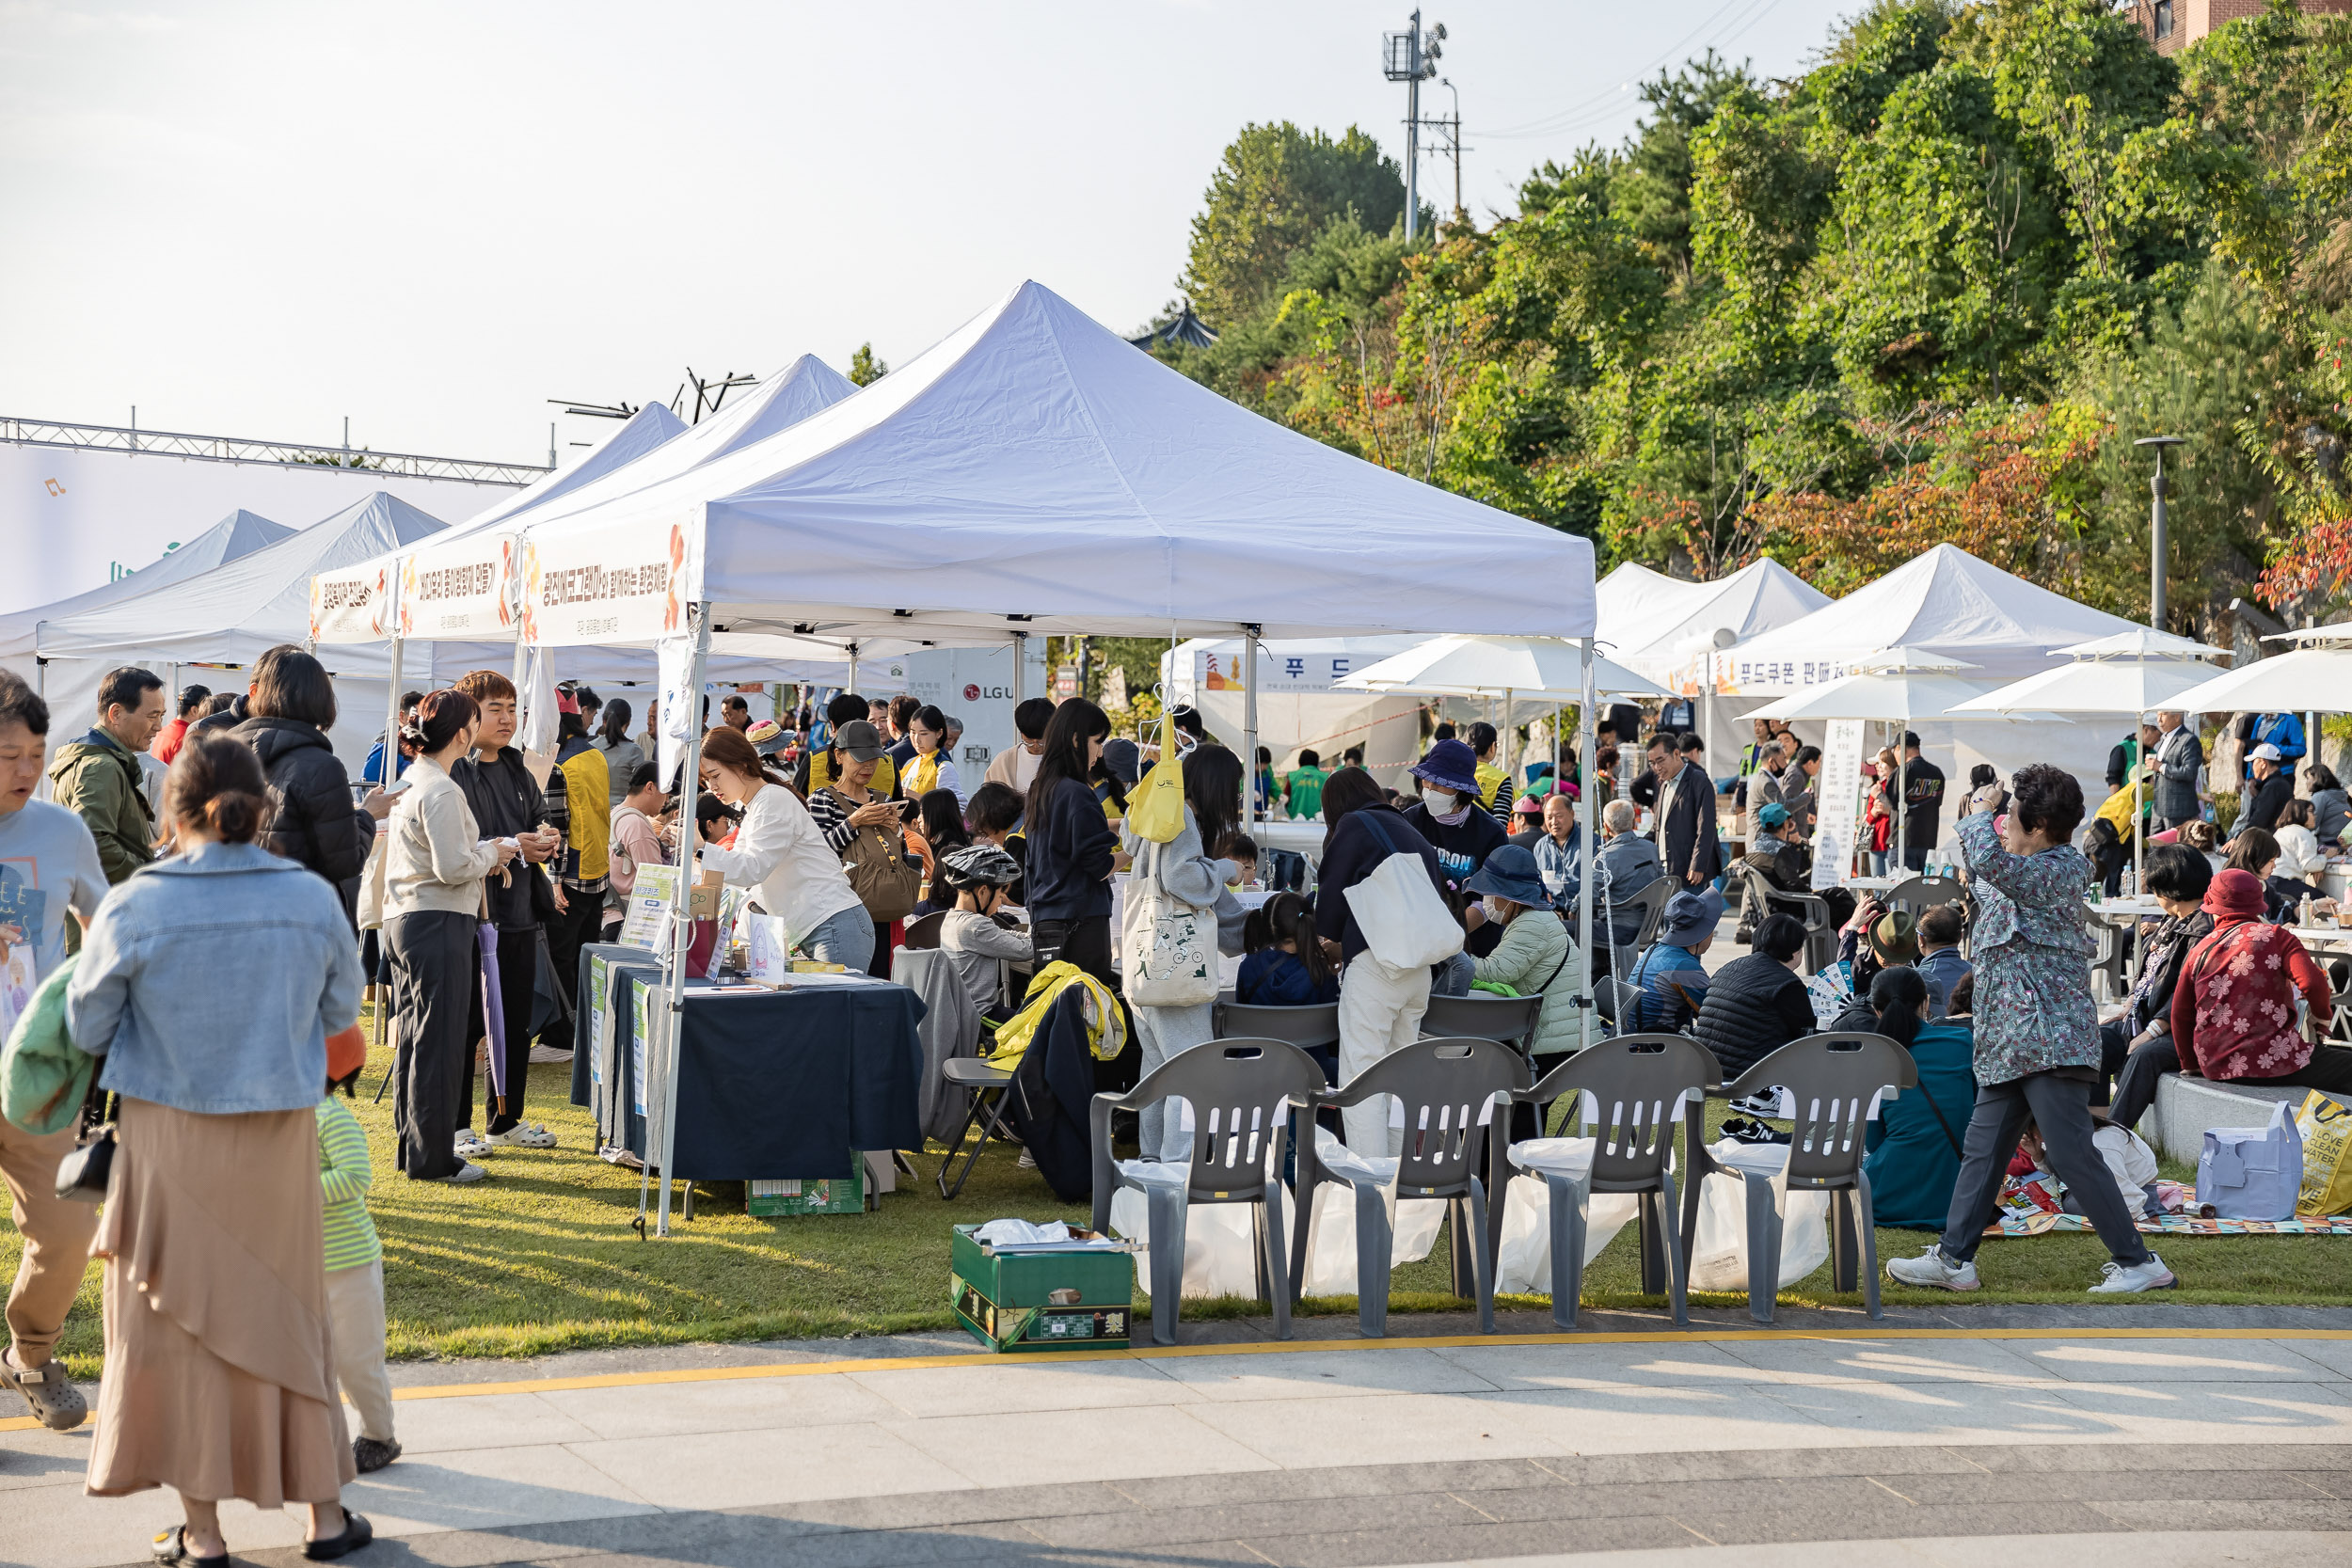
[2157,521]
[1411,57]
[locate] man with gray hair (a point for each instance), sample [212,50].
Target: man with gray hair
[2175,761]
[1626,863]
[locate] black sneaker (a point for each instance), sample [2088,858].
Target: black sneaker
[371,1453]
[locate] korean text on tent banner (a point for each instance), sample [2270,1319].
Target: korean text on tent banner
[463,589]
[353,605]
[624,583]
[1837,804]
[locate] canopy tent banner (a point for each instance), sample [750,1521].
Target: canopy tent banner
[232,538]
[1669,630]
[1944,602]
[1299,704]
[1035,472]
[1286,666]
[466,583]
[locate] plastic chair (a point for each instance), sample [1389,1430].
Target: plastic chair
[1307,1027]
[1651,901]
[1759,897]
[1832,1078]
[1509,1018]
[1242,1092]
[924,932]
[1637,1081]
[1447,1087]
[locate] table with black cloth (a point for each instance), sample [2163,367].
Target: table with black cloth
[772,1085]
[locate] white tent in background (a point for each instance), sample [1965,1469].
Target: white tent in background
[1666,628]
[229,614]
[1944,602]
[647,429]
[1299,703]
[235,536]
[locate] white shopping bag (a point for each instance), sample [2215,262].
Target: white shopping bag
[1524,1265]
[1219,1256]
[1718,1259]
[1332,1233]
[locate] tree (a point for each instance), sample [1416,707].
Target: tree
[1278,188]
[864,368]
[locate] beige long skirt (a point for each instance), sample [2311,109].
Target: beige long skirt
[221,1378]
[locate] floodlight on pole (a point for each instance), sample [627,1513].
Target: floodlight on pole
[1411,57]
[2157,520]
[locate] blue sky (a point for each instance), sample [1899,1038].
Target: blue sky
[255,219]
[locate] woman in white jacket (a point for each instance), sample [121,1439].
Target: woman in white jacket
[1186,874]
[779,850]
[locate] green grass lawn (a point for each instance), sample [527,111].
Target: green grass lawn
[542,1257]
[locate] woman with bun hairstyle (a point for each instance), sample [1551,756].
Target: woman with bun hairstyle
[210,982]
[433,867]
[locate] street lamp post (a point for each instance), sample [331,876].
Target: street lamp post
[2156,530]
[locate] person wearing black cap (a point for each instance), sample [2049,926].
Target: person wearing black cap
[816,769]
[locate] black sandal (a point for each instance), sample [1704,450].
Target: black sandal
[172,1547]
[357,1533]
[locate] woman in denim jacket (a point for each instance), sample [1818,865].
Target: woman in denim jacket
[2037,1034]
[208,983]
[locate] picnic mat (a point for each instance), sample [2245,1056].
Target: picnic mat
[2029,1207]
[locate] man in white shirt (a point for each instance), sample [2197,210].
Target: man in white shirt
[1016,766]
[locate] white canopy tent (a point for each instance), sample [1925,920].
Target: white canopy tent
[235,536]
[1669,630]
[2316,676]
[1298,701]
[1034,473]
[1944,602]
[646,431]
[231,614]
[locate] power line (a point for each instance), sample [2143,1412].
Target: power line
[1601,108]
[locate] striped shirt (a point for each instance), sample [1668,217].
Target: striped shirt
[345,1175]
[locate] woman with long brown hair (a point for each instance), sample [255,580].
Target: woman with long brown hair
[208,983]
[780,851]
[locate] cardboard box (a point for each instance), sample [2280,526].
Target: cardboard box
[842,1195]
[1022,1300]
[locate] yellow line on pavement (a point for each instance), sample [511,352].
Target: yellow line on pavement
[1294,1347]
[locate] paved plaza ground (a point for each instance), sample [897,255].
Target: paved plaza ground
[2145,1435]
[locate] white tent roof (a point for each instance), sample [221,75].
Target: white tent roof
[1661,627]
[1034,464]
[649,429]
[237,535]
[1943,602]
[233,612]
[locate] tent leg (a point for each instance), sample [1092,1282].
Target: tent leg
[1585,828]
[1019,659]
[681,925]
[1248,736]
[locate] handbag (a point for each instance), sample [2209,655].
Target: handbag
[1406,924]
[1170,949]
[880,875]
[2253,1173]
[1155,807]
[82,1175]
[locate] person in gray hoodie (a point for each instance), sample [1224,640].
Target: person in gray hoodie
[1184,872]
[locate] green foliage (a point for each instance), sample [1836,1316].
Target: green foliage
[865,366]
[2008,229]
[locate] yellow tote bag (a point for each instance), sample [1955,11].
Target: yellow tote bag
[1155,807]
[2327,1129]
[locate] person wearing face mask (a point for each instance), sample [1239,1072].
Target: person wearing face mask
[1535,956]
[1448,814]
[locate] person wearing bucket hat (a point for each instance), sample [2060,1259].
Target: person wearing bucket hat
[1535,956]
[1895,938]
[768,737]
[1670,977]
[1448,814]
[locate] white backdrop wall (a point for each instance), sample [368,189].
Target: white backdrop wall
[73,519]
[971,683]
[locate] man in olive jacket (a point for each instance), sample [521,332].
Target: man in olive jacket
[97,777]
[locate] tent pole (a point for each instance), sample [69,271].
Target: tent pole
[1584,830]
[1020,657]
[385,773]
[1248,736]
[1902,799]
[853,686]
[682,919]
[41,677]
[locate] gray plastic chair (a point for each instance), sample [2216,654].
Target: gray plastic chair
[1447,1087]
[1485,1017]
[1831,1079]
[1761,898]
[1306,1027]
[925,932]
[1242,1092]
[1651,901]
[1637,1081]
[984,1086]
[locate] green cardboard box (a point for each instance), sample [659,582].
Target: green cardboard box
[842,1195]
[1023,1299]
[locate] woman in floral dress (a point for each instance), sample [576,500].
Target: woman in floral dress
[2037,1051]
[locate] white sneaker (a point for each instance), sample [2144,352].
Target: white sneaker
[1026,1161]
[465,1173]
[1932,1270]
[523,1135]
[2117,1280]
[541,1055]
